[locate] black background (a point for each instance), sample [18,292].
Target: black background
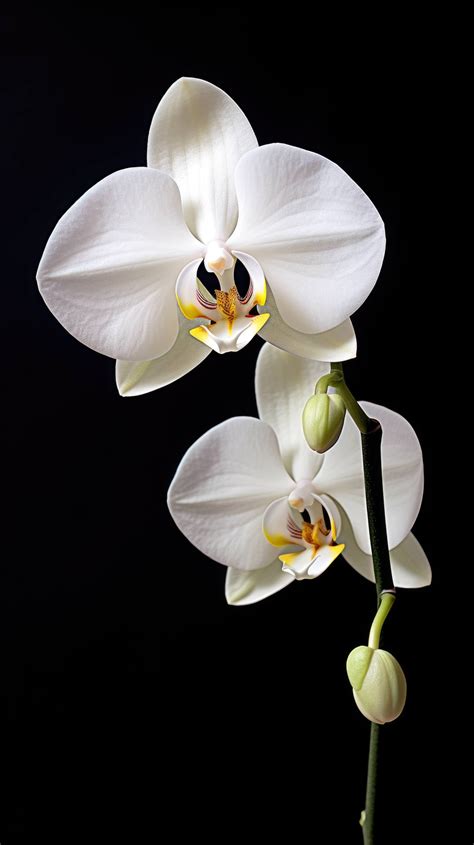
[133,699]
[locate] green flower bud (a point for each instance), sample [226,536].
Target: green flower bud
[378,683]
[323,418]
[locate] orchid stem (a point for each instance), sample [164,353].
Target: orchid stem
[371,437]
[336,379]
[385,606]
[367,817]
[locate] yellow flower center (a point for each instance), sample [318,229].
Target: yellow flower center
[310,533]
[227,302]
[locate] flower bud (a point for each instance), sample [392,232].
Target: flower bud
[378,683]
[323,418]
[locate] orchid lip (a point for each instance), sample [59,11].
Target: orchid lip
[283,526]
[225,303]
[229,335]
[319,548]
[230,322]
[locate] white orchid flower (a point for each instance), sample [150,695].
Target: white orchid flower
[120,257]
[250,485]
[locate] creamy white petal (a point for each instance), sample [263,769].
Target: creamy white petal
[410,566]
[283,384]
[338,344]
[197,136]
[109,268]
[137,377]
[316,234]
[341,475]
[222,487]
[243,588]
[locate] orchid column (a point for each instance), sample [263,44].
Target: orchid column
[123,271]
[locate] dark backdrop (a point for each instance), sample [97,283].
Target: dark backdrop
[133,699]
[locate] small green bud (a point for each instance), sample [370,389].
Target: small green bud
[323,418]
[378,683]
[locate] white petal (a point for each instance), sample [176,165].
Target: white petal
[338,344]
[341,475]
[249,587]
[230,335]
[410,566]
[283,384]
[109,268]
[197,135]
[137,377]
[318,237]
[222,487]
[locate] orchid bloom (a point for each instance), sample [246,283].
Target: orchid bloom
[253,496]
[122,255]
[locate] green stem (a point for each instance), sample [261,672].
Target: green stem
[371,437]
[386,604]
[336,379]
[368,818]
[372,460]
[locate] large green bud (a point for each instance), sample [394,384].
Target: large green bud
[323,418]
[378,683]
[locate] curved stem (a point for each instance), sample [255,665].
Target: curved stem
[371,437]
[336,379]
[362,421]
[386,604]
